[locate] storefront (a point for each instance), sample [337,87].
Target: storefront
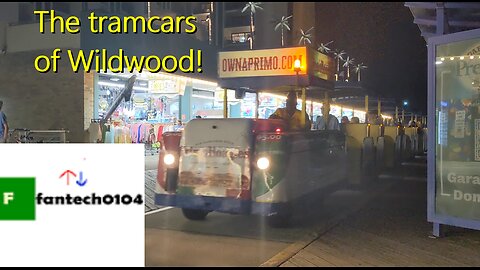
[159,103]
[156,98]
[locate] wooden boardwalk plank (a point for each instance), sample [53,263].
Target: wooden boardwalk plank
[315,260]
[361,252]
[298,260]
[331,255]
[288,264]
[393,251]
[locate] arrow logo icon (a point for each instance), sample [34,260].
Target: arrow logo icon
[68,173]
[81,182]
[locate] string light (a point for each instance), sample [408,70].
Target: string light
[461,57]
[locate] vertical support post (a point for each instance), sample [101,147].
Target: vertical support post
[353,111]
[438,230]
[311,110]
[341,111]
[396,113]
[304,106]
[327,100]
[366,109]
[225,103]
[403,117]
[379,107]
[257,104]
[441,24]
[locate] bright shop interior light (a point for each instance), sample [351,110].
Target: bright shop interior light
[121,85]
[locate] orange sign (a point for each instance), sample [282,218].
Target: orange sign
[253,63]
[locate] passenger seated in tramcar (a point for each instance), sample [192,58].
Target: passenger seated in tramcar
[374,119]
[291,115]
[327,121]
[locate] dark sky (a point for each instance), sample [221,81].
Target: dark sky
[382,36]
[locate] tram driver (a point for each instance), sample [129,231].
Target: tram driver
[291,115]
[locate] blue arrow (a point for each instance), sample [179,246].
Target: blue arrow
[80,181]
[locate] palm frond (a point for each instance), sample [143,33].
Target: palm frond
[305,36]
[323,47]
[349,61]
[359,67]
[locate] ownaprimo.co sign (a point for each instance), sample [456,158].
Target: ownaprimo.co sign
[253,63]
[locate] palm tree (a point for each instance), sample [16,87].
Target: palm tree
[253,6]
[358,68]
[338,55]
[323,47]
[305,37]
[348,62]
[283,24]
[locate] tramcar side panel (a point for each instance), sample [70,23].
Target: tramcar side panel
[302,165]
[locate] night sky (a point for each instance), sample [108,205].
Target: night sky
[383,37]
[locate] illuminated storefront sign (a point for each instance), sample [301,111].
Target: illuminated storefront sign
[274,62]
[168,85]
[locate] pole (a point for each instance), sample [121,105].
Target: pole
[403,117]
[396,113]
[379,109]
[311,109]
[257,104]
[304,106]
[326,118]
[225,103]
[125,94]
[366,109]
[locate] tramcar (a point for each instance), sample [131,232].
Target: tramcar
[248,166]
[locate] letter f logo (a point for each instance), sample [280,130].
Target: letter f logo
[7,197]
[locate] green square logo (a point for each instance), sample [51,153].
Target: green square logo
[17,198]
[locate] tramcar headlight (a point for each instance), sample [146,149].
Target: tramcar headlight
[169,159]
[263,163]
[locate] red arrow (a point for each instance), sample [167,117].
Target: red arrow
[68,173]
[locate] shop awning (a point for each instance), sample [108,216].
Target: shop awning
[439,18]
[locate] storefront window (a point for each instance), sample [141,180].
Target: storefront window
[457,131]
[248,105]
[147,103]
[202,101]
